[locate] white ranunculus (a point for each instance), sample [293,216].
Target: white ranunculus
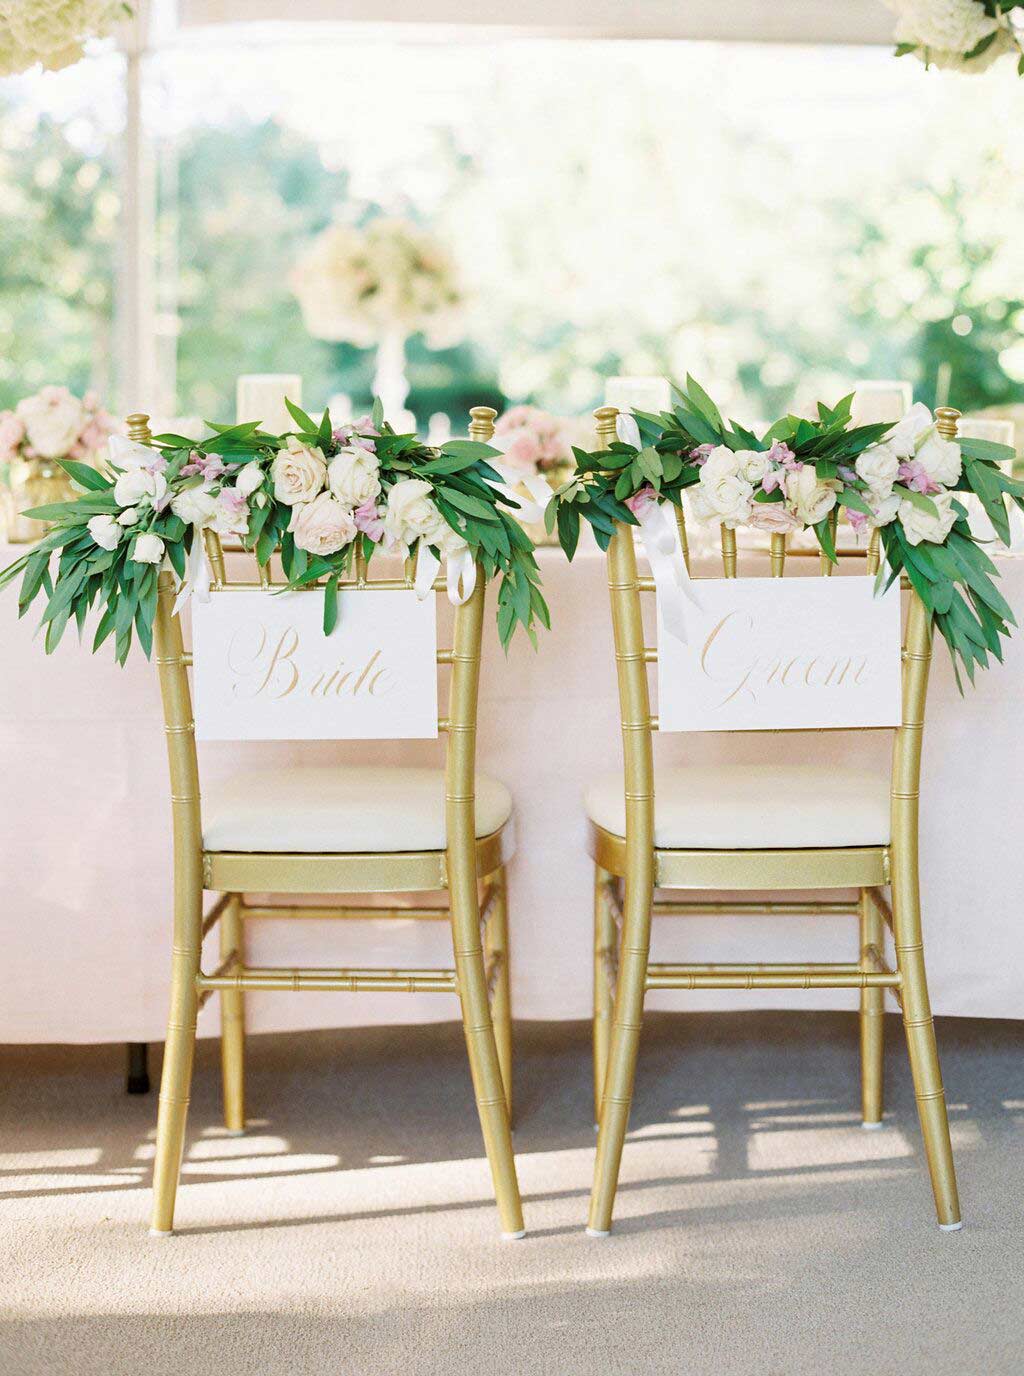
[753,465]
[105,531]
[137,485]
[53,420]
[322,526]
[878,466]
[411,511]
[249,479]
[353,476]
[148,549]
[940,458]
[810,499]
[722,494]
[921,525]
[128,516]
[299,472]
[195,506]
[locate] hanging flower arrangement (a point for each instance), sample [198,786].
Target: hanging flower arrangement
[962,35]
[53,33]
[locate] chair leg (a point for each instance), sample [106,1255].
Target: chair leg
[232,1020]
[617,1094]
[605,954]
[484,1064]
[872,1019]
[922,1049]
[179,1052]
[496,959]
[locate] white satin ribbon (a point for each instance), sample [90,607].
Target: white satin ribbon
[196,582]
[660,540]
[460,573]
[539,488]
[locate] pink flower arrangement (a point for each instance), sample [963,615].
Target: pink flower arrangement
[55,424]
[533,440]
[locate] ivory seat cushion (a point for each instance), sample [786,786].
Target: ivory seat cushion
[340,810]
[754,807]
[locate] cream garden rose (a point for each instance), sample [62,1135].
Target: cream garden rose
[53,420]
[810,499]
[299,472]
[411,511]
[921,525]
[774,517]
[322,526]
[722,494]
[353,476]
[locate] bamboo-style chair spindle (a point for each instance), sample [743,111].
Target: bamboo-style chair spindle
[628,867]
[465,861]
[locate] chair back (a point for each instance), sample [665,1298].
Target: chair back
[633,656]
[174,662]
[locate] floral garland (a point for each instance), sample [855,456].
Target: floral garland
[897,479]
[53,32]
[315,495]
[962,35]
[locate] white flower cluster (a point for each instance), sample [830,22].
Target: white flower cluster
[943,32]
[52,32]
[912,454]
[332,500]
[357,284]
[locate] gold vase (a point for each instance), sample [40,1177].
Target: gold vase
[34,482]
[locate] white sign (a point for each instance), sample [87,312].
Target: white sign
[782,654]
[264,670]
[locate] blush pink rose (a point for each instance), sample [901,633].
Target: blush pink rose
[774,517]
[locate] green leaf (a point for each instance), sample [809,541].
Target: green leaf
[331,604]
[917,499]
[472,506]
[298,415]
[568,528]
[470,449]
[85,476]
[377,414]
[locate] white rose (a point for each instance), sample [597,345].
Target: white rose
[128,516]
[921,525]
[148,549]
[125,453]
[194,506]
[53,420]
[444,538]
[299,472]
[137,484]
[105,531]
[249,479]
[753,465]
[878,466]
[940,458]
[902,439]
[810,499]
[956,26]
[722,494]
[353,476]
[322,526]
[411,512]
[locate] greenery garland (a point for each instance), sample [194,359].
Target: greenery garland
[313,495]
[797,475]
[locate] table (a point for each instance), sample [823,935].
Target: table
[85,839]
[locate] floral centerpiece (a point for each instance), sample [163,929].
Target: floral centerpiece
[534,441]
[900,480]
[52,32]
[965,35]
[41,430]
[316,496]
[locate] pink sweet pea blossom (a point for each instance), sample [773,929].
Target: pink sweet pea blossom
[857,519]
[369,519]
[782,454]
[916,477]
[641,501]
[211,467]
[700,454]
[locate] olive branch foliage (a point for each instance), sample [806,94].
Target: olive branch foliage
[74,574]
[954,579]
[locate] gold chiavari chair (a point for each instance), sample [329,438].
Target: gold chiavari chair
[642,839]
[467,816]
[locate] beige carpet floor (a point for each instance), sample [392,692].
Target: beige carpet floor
[759,1229]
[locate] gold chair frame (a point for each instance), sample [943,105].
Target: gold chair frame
[628,870]
[479,921]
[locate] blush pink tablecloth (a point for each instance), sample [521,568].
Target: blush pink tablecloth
[85,839]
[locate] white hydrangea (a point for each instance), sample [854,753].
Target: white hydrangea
[52,32]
